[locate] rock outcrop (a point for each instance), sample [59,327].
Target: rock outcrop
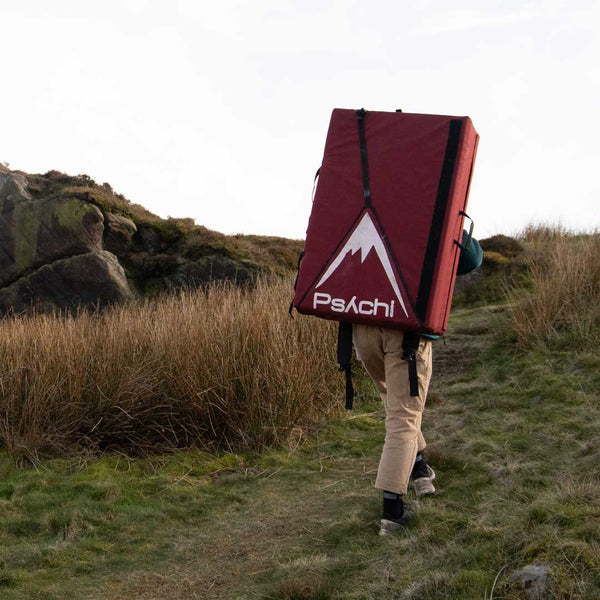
[51,252]
[67,242]
[94,279]
[37,233]
[118,233]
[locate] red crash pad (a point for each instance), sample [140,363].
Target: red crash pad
[382,244]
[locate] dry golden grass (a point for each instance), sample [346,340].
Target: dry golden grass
[223,367]
[564,294]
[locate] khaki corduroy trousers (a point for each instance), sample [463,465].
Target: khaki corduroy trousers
[380,351]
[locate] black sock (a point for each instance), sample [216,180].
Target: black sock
[420,467]
[393,507]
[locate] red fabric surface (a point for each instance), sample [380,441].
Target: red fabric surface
[405,154]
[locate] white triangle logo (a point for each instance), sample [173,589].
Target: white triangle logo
[365,237]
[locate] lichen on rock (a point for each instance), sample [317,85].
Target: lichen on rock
[35,233]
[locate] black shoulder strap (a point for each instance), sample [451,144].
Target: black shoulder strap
[344,346]
[410,345]
[296,283]
[344,356]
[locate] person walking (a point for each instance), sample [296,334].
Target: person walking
[385,354]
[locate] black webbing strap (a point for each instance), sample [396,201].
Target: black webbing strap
[344,357]
[360,116]
[466,245]
[344,347]
[296,282]
[410,345]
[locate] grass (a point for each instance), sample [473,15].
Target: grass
[559,303]
[287,510]
[222,367]
[512,436]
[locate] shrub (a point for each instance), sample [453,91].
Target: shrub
[218,367]
[502,245]
[562,301]
[502,268]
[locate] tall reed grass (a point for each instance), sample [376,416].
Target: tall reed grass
[562,298]
[220,367]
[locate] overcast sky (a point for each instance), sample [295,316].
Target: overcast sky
[219,110]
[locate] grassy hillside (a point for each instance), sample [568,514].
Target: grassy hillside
[175,237]
[512,422]
[513,439]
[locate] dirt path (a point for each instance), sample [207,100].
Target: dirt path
[292,528]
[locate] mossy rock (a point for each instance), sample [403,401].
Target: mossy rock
[211,268]
[143,265]
[95,279]
[35,233]
[502,245]
[118,233]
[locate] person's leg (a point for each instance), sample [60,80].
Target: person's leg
[368,343]
[403,413]
[422,474]
[424,370]
[381,351]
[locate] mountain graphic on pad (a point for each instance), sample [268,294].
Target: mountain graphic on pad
[365,238]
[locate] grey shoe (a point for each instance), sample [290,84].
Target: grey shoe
[424,485]
[389,526]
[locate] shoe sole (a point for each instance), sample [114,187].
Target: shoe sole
[424,485]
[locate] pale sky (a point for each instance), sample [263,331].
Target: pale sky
[219,110]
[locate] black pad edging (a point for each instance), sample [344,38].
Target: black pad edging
[439,213]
